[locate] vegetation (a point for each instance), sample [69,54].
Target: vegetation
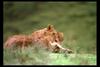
[77,20]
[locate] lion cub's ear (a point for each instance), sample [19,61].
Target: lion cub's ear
[50,27]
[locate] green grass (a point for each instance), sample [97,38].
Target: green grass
[73,59]
[38,56]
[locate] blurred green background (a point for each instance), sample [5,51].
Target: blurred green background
[77,20]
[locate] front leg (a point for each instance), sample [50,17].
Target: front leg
[23,46]
[65,49]
[60,47]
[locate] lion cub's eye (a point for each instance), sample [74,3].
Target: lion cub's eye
[53,33]
[55,40]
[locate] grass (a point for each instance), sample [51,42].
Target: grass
[38,56]
[74,59]
[28,56]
